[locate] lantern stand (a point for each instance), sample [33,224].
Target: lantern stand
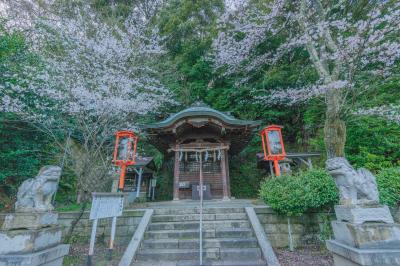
[124,153]
[272,142]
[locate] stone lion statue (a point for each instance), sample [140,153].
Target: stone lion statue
[355,186]
[35,194]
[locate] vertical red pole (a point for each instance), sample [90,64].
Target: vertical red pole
[277,169]
[122,177]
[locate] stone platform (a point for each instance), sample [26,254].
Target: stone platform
[48,257]
[365,235]
[345,255]
[29,220]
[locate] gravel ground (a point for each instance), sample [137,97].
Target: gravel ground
[307,256]
[78,255]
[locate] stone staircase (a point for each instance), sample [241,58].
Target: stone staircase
[172,238]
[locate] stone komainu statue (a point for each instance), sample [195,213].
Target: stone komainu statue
[35,194]
[355,187]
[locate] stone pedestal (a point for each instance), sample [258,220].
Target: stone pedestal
[365,235]
[31,239]
[359,214]
[29,220]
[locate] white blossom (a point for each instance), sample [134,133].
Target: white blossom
[390,112]
[89,68]
[340,46]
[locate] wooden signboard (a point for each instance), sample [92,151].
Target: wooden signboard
[104,205]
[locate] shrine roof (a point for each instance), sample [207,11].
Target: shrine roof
[200,110]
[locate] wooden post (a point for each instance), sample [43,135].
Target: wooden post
[92,241]
[277,169]
[228,179]
[112,236]
[310,166]
[122,177]
[201,208]
[176,176]
[140,173]
[224,179]
[271,168]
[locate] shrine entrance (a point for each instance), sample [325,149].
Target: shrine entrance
[200,140]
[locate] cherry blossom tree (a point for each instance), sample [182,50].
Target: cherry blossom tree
[91,79]
[342,46]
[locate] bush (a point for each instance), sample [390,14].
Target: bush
[294,195]
[389,186]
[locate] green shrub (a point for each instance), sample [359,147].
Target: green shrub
[389,186]
[294,195]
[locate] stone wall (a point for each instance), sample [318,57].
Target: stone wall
[305,229]
[126,226]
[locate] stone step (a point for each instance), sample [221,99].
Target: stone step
[243,254]
[195,225]
[189,234]
[196,210]
[196,217]
[205,263]
[250,242]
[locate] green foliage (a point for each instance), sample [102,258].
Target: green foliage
[373,143]
[188,27]
[23,151]
[297,194]
[70,207]
[326,231]
[165,181]
[389,186]
[244,176]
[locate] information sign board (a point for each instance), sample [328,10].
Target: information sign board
[105,205]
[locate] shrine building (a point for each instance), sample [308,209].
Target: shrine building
[196,136]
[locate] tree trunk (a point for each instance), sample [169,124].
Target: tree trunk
[335,128]
[75,222]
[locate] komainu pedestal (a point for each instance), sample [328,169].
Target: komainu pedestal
[365,233]
[31,235]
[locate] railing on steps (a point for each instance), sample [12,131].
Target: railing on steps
[137,238]
[263,242]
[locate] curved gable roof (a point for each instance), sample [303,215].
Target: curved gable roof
[203,111]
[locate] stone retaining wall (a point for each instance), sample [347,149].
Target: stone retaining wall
[305,229]
[126,226]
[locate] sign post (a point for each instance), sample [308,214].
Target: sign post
[104,205]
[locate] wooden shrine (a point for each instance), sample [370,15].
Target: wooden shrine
[196,136]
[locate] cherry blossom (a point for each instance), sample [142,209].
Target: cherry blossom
[341,47]
[332,37]
[100,69]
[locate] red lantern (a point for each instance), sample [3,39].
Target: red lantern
[124,153]
[272,142]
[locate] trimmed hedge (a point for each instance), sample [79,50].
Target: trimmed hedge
[389,186]
[294,195]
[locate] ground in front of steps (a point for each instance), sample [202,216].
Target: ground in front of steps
[309,255]
[78,255]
